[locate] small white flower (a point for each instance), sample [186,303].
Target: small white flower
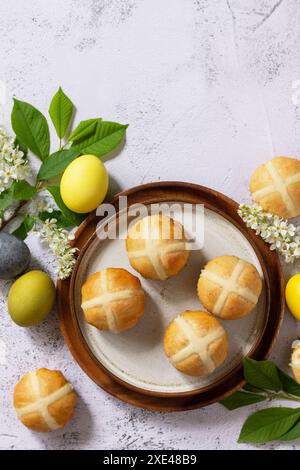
[58,241]
[279,233]
[41,202]
[13,163]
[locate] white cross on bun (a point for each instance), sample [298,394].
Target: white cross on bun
[229,287]
[195,343]
[275,186]
[113,300]
[157,247]
[44,400]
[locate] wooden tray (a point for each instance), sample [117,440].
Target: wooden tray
[222,386]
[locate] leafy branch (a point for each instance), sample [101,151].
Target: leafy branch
[265,382]
[39,205]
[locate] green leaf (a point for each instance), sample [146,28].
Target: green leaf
[61,110]
[20,232]
[29,221]
[62,222]
[6,199]
[23,191]
[262,374]
[289,385]
[84,130]
[268,425]
[73,218]
[31,128]
[56,164]
[250,388]
[239,399]
[18,191]
[25,227]
[106,137]
[293,433]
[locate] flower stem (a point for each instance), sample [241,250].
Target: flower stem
[282,396]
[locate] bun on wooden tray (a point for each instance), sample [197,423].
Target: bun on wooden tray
[195,343]
[113,300]
[157,247]
[229,287]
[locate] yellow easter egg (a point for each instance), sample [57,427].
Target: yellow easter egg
[84,184]
[292,295]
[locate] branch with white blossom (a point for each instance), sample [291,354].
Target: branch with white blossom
[14,167]
[283,236]
[58,241]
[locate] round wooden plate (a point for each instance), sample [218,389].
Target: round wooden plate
[223,386]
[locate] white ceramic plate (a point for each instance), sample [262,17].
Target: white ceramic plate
[137,356]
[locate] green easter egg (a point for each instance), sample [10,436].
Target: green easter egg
[31,298]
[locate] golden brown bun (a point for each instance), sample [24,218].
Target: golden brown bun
[156,247]
[295,362]
[229,287]
[195,343]
[44,400]
[275,186]
[113,300]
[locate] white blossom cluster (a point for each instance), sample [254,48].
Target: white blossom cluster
[41,202]
[283,236]
[49,233]
[13,163]
[58,241]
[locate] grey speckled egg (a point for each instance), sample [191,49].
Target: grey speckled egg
[14,256]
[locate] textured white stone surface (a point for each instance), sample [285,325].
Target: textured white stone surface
[206,86]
